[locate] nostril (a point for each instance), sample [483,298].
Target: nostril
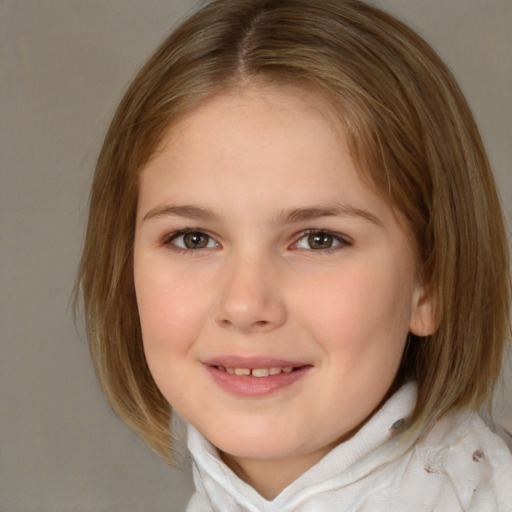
[249,313]
[256,326]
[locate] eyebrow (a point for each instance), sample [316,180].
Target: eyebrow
[294,215]
[285,216]
[186,211]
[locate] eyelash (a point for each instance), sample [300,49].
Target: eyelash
[170,238]
[339,240]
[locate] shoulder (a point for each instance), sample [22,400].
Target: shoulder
[474,463]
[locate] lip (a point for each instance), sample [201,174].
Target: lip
[249,386]
[230,361]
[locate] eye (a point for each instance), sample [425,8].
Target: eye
[320,240]
[192,240]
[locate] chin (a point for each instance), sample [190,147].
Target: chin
[258,445]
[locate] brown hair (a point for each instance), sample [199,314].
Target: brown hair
[412,134]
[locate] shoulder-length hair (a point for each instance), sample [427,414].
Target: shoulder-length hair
[412,135]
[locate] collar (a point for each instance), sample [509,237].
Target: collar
[362,454]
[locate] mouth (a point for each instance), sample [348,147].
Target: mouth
[258,372]
[255,377]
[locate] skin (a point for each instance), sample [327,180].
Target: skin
[259,288]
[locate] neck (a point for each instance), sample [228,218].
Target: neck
[270,477]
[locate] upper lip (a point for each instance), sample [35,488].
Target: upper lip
[232,361]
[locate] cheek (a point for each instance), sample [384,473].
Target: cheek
[169,311]
[360,306]
[170,318]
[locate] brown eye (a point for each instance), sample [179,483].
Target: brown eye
[193,240]
[320,240]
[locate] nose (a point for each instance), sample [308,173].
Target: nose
[250,298]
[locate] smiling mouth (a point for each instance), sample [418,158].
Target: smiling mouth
[256,378]
[257,372]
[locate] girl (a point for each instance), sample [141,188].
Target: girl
[295,242]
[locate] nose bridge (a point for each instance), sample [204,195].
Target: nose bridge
[250,297]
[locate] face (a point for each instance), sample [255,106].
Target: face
[275,289]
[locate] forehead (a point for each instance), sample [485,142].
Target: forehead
[273,148]
[242,98]
[308,102]
[280,126]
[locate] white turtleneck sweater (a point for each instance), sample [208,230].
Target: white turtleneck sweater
[459,466]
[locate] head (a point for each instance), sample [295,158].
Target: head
[411,137]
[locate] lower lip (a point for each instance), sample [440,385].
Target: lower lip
[249,386]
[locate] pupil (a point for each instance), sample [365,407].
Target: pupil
[320,241]
[195,240]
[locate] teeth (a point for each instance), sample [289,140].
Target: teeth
[255,372]
[260,372]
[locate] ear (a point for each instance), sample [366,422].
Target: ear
[423,316]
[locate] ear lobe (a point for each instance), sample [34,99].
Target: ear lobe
[423,317]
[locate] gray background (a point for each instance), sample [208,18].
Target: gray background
[63,67]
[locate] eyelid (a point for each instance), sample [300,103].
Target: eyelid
[168,239]
[344,241]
